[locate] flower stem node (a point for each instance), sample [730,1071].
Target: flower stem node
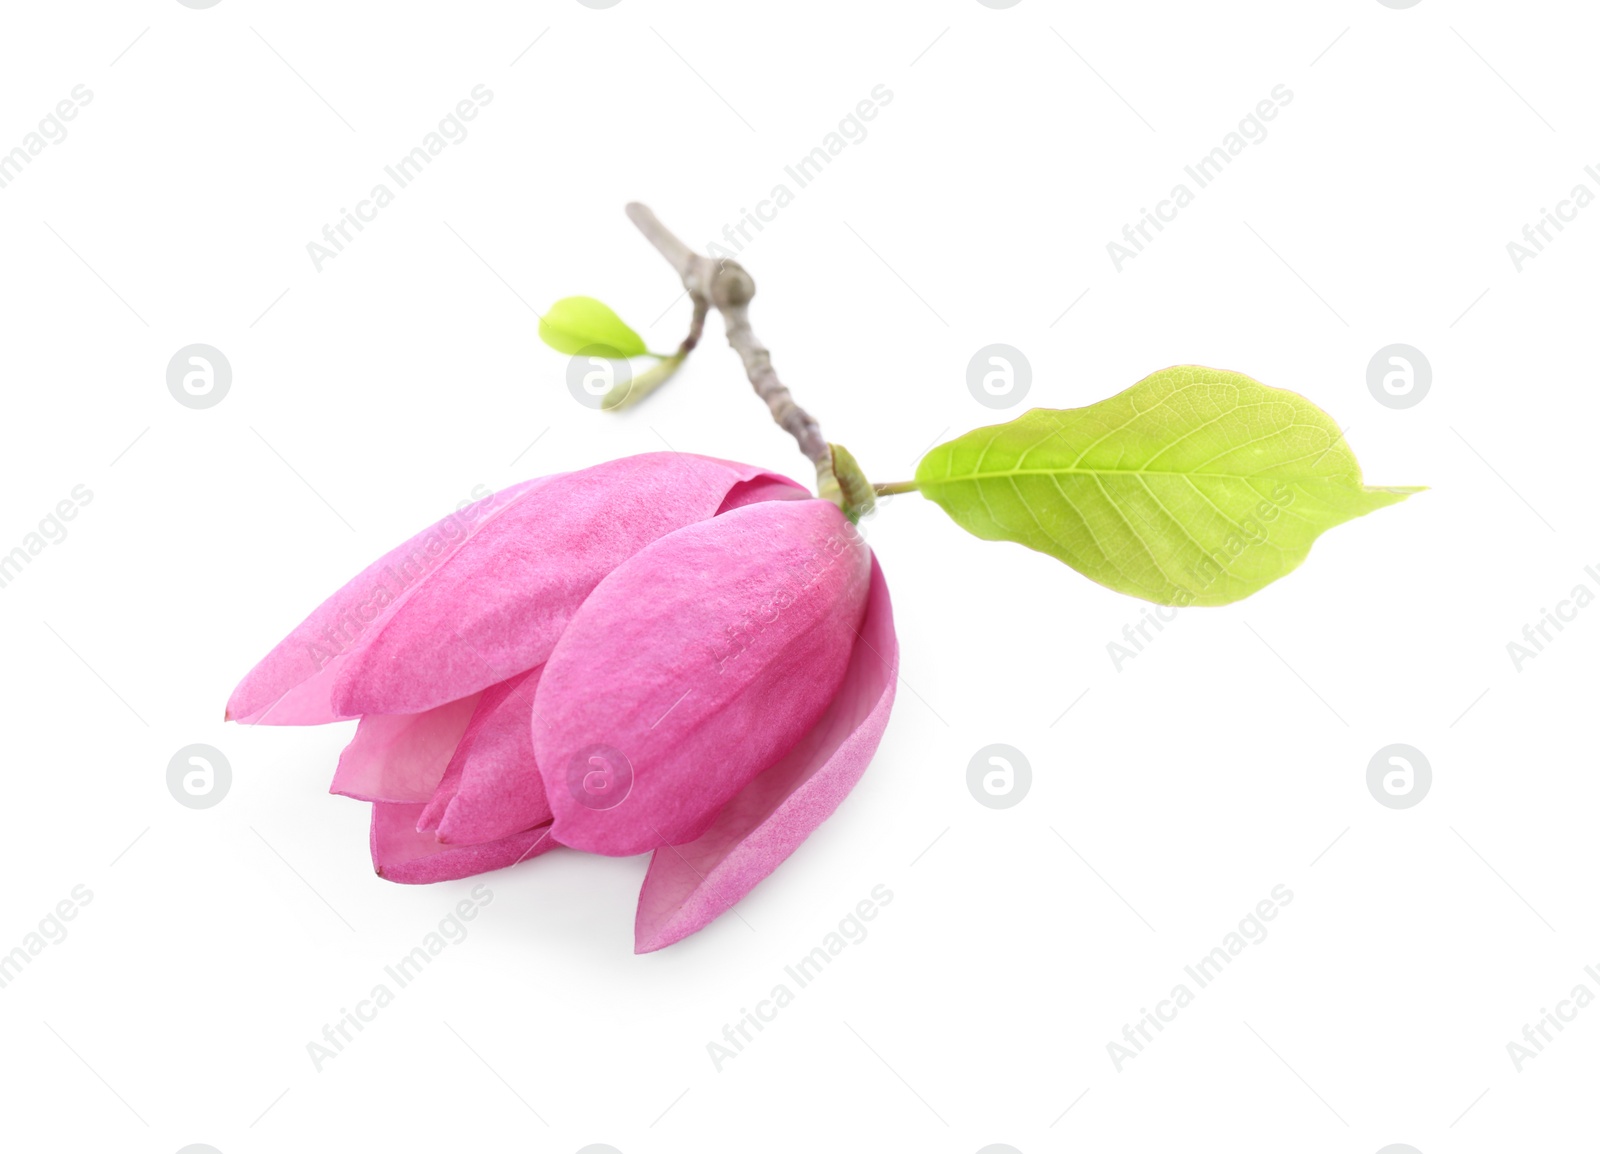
[851,490]
[731,285]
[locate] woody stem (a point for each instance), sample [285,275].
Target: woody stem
[725,286]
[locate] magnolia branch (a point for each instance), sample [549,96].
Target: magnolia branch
[725,286]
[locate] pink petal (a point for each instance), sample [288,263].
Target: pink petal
[498,605]
[444,793]
[292,684]
[401,854]
[767,487]
[689,885]
[480,596]
[490,705]
[694,666]
[499,790]
[400,757]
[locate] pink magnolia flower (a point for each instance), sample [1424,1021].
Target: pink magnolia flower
[665,652]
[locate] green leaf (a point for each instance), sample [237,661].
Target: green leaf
[1194,487]
[582,324]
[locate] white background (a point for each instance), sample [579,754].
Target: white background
[372,396]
